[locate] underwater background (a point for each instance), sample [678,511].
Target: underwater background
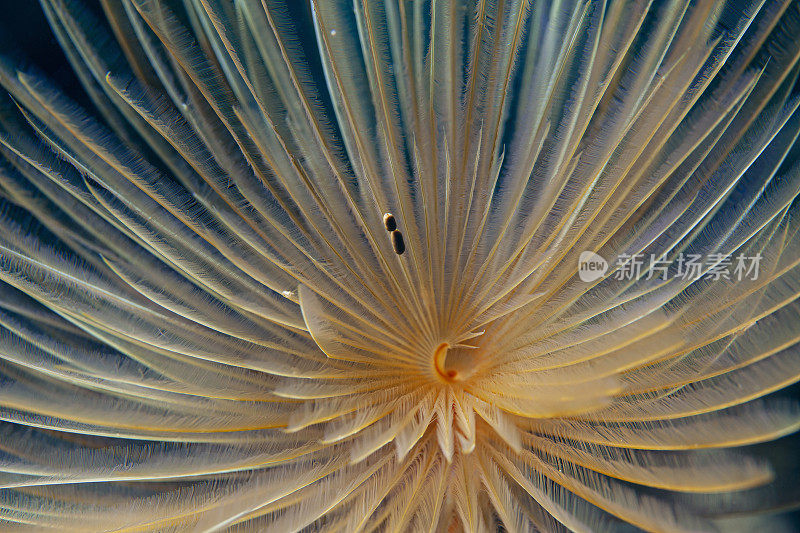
[26,36]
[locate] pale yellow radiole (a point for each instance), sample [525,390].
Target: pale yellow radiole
[315,266]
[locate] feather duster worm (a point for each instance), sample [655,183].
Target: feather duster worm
[205,324]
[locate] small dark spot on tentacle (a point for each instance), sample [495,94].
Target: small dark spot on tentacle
[397,242]
[389,222]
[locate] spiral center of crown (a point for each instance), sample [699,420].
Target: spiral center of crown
[448,364]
